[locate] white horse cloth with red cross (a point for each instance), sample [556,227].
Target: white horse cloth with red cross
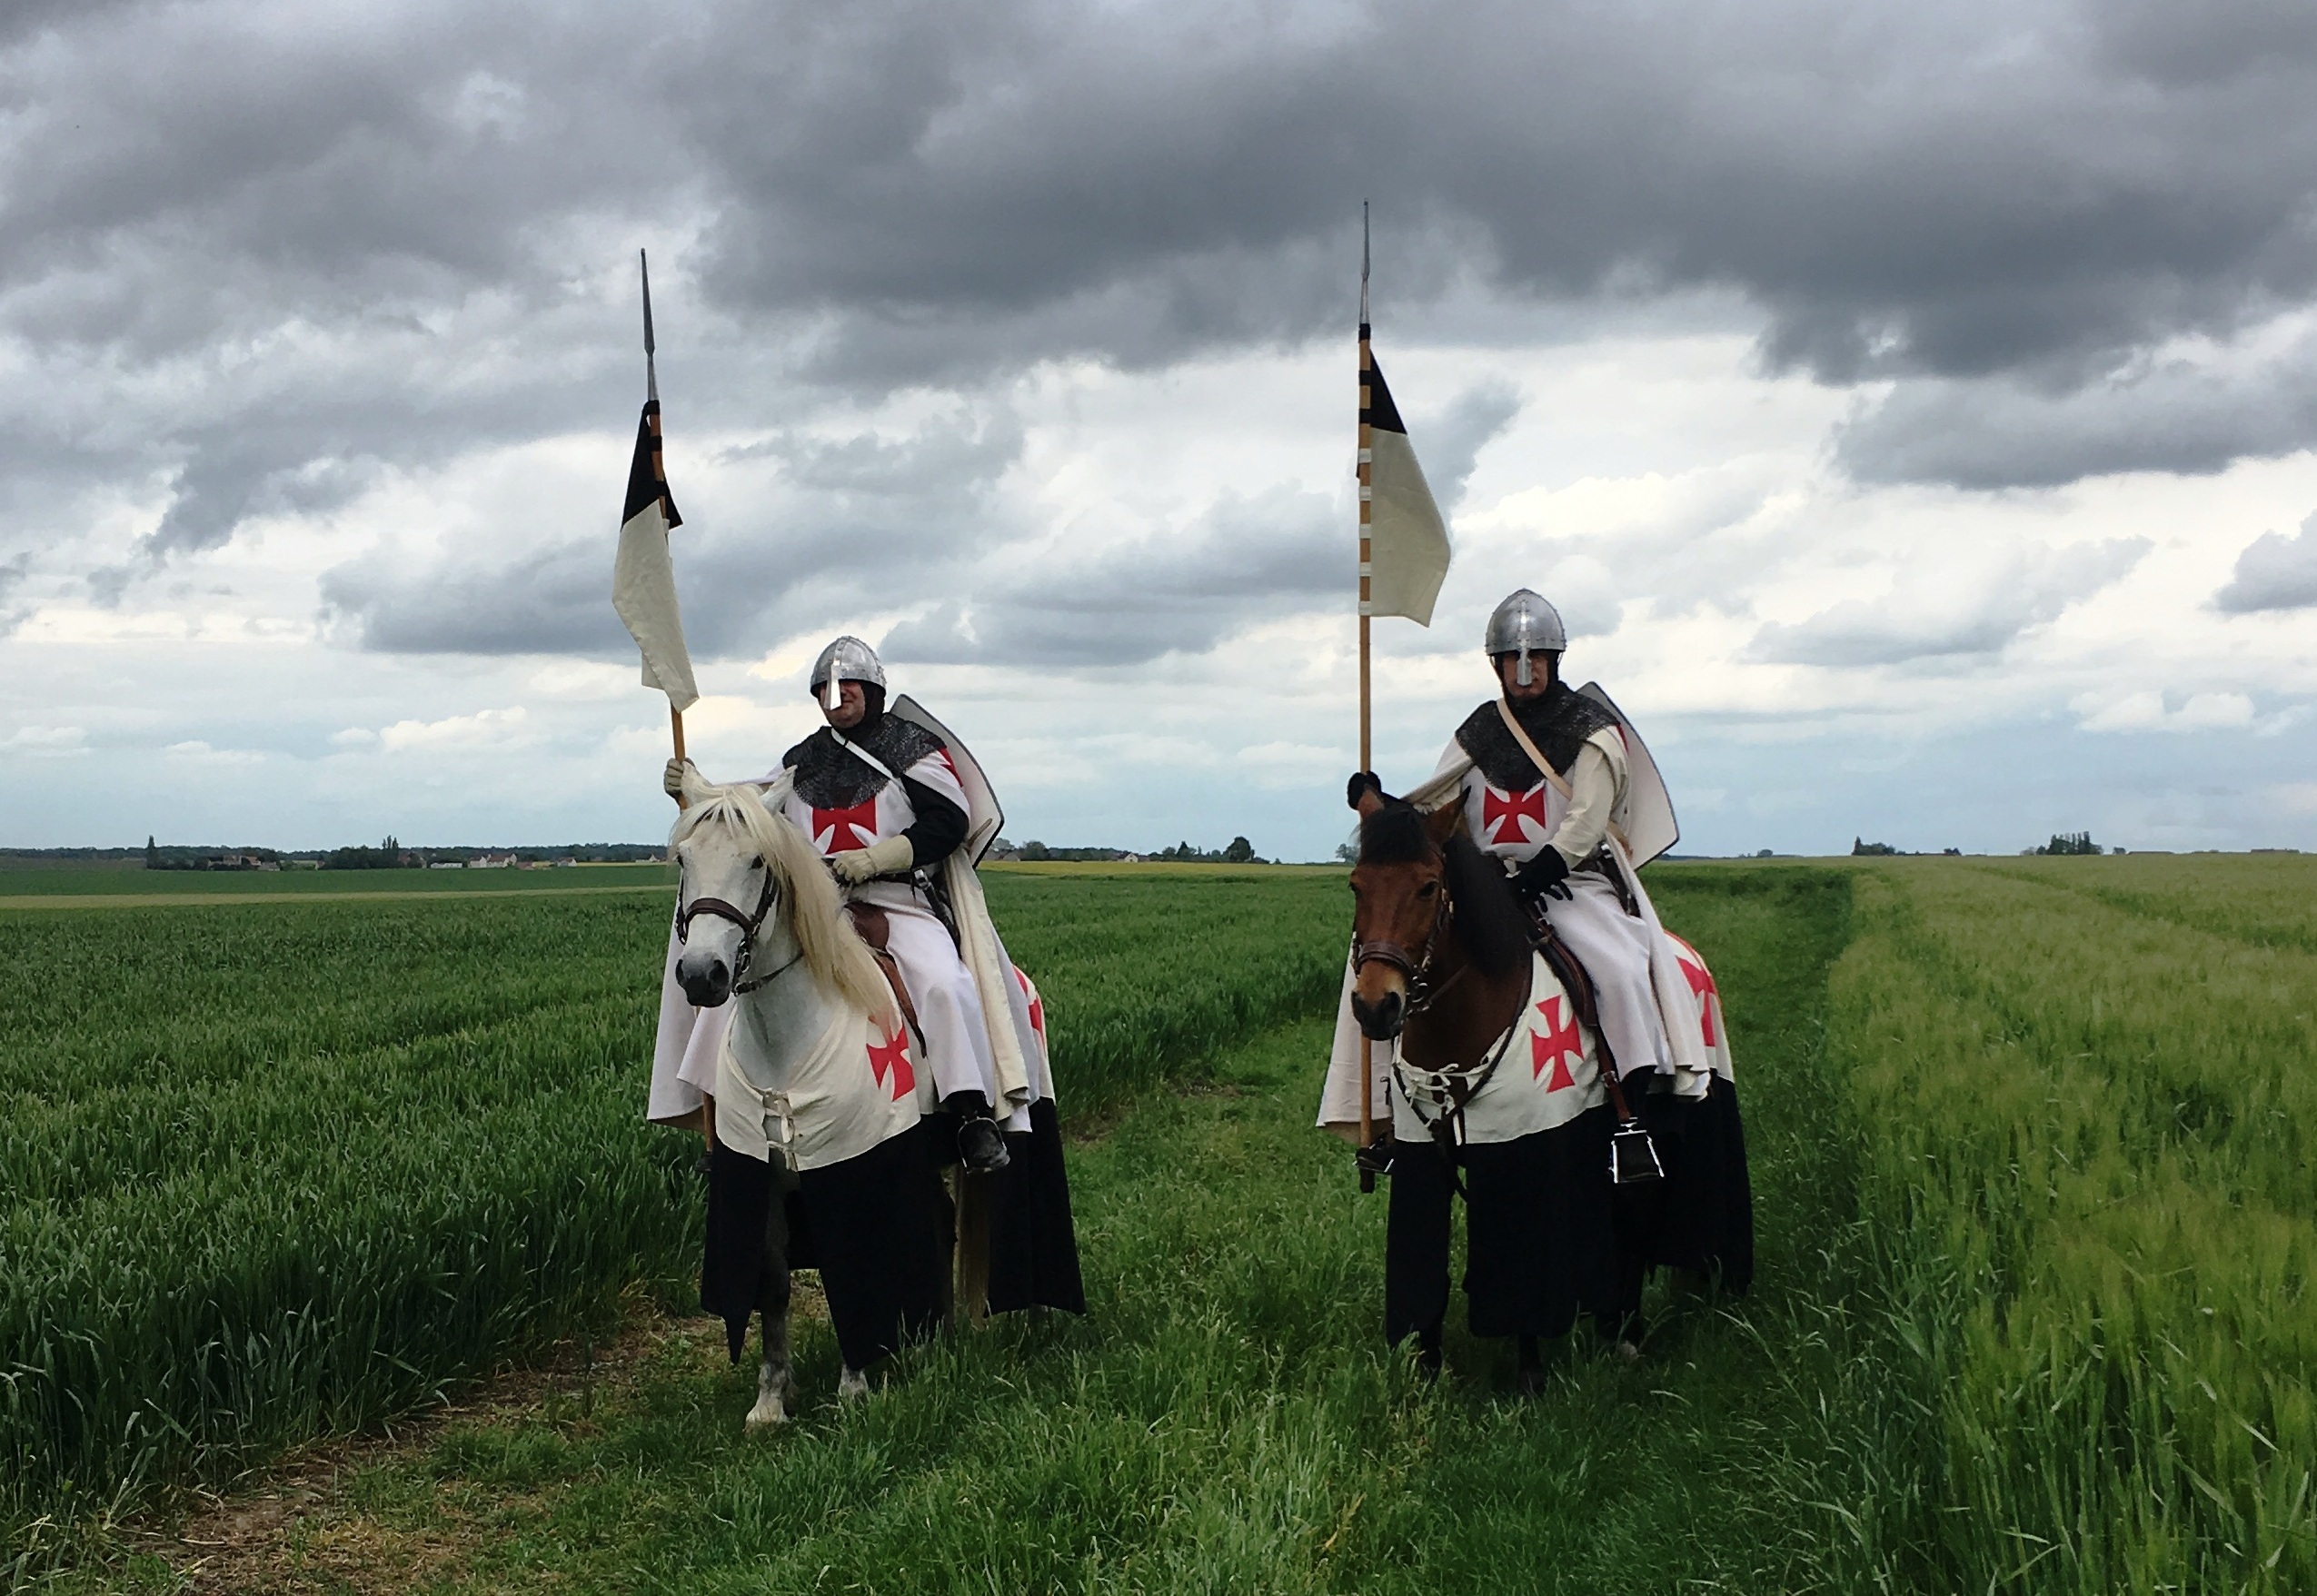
[857,1086]
[1547,1071]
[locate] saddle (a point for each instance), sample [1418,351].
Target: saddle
[1633,1157]
[874,926]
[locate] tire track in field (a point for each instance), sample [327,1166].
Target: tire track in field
[2148,906]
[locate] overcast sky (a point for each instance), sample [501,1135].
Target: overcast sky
[1910,408]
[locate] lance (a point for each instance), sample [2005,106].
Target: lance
[1367,573]
[651,395]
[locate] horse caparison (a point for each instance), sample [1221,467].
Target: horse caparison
[1419,879]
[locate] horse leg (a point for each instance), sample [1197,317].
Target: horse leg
[1531,1375]
[776,1381]
[1415,1251]
[1636,1212]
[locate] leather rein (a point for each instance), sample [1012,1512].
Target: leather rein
[750,925]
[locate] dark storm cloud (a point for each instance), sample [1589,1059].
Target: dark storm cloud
[1959,191]
[847,522]
[2172,416]
[2274,572]
[1453,440]
[2005,200]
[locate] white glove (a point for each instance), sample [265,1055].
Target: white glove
[672,781]
[888,857]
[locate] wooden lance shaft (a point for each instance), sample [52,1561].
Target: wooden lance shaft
[1367,754]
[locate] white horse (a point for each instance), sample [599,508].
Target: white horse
[820,1097]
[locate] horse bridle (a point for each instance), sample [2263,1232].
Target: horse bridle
[1421,993]
[750,925]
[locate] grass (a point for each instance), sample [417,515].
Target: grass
[2029,1147]
[2082,1360]
[284,1169]
[1225,1418]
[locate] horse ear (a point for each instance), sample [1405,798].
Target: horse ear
[1441,824]
[1369,801]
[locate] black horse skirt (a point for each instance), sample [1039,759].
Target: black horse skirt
[877,1227]
[1033,1242]
[1538,1242]
[1706,1222]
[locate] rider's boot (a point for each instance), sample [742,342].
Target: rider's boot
[981,1145]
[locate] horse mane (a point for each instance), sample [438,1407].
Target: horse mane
[1394,835]
[840,960]
[1489,917]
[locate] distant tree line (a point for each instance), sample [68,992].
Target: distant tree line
[2069,842]
[191,858]
[387,856]
[1237,851]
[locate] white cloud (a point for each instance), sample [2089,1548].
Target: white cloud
[2274,572]
[46,742]
[1933,612]
[485,728]
[194,751]
[2147,711]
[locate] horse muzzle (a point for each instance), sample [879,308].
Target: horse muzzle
[707,980]
[1382,973]
[1380,1019]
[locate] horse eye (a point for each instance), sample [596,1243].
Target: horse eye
[1427,889]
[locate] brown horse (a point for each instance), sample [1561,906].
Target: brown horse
[1445,962]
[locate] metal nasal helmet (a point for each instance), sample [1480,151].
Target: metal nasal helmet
[1525,624]
[846,660]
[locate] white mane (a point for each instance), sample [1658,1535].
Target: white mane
[838,959]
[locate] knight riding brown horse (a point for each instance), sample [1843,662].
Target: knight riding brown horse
[1443,962]
[1565,1211]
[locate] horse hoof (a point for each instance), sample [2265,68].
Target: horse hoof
[1626,1352]
[1530,1383]
[769,1414]
[851,1385]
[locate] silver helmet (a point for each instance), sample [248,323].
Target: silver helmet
[1525,624]
[846,660]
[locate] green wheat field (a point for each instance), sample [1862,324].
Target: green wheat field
[281,1174]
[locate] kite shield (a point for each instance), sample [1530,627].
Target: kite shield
[984,817]
[1648,818]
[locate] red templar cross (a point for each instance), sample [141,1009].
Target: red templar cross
[1555,1042]
[846,829]
[1701,985]
[1502,816]
[1037,1003]
[892,1057]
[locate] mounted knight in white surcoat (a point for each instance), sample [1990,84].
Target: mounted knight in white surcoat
[899,813]
[1556,784]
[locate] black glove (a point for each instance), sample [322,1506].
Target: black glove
[1362,781]
[1547,875]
